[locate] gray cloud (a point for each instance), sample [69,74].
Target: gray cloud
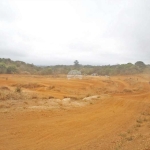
[92,31]
[12,48]
[131,26]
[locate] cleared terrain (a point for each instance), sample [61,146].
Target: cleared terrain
[95,113]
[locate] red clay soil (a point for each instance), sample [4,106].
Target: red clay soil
[119,119]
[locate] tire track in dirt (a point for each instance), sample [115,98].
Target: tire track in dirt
[94,126]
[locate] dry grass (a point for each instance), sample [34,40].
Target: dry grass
[4,88]
[130,138]
[29,85]
[18,90]
[127,90]
[51,87]
[123,135]
[50,97]
[139,120]
[11,95]
[88,95]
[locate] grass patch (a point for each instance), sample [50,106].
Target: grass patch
[139,120]
[138,125]
[129,131]
[10,95]
[145,119]
[122,135]
[4,88]
[130,138]
[143,113]
[88,95]
[51,87]
[50,97]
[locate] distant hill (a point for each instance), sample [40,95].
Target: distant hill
[8,66]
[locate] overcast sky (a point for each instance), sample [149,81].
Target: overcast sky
[96,32]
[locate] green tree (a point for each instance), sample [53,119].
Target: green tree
[46,71]
[11,69]
[49,71]
[76,63]
[3,68]
[140,64]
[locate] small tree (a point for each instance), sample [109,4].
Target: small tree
[76,63]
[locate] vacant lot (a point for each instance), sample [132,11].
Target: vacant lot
[95,113]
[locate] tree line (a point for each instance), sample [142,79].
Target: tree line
[7,66]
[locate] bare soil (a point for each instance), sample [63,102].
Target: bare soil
[95,113]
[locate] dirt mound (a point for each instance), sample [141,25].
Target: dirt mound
[29,85]
[91,97]
[4,88]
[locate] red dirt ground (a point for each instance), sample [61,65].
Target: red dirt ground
[117,117]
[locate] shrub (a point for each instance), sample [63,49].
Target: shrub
[18,89]
[88,95]
[11,69]
[51,87]
[50,97]
[129,138]
[139,120]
